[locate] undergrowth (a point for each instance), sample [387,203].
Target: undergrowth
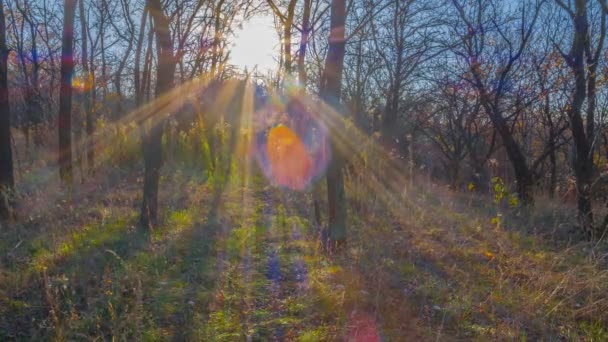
[422,262]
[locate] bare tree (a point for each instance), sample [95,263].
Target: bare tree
[65,97]
[403,38]
[330,92]
[491,69]
[305,35]
[7,181]
[287,22]
[152,140]
[583,58]
[88,110]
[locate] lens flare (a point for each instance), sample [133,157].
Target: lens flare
[82,82]
[290,163]
[362,328]
[291,144]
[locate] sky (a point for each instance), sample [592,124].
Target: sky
[256,44]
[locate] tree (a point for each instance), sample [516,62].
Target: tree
[451,128]
[330,92]
[90,151]
[129,38]
[364,63]
[7,181]
[302,78]
[217,38]
[152,139]
[30,67]
[287,21]
[583,59]
[403,38]
[490,69]
[65,97]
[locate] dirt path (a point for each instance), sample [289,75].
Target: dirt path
[263,290]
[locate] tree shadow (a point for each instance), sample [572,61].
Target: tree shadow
[68,291]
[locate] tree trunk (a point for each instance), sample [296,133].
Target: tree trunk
[304,43]
[137,80]
[411,155]
[7,181]
[552,174]
[330,92]
[152,142]
[87,90]
[303,79]
[552,141]
[454,173]
[481,178]
[65,93]
[523,176]
[102,33]
[152,149]
[584,76]
[216,39]
[287,35]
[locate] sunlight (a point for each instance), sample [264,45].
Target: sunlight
[256,45]
[303,170]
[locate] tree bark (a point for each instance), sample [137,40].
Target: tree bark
[287,35]
[87,90]
[552,154]
[65,93]
[137,80]
[152,141]
[304,43]
[217,36]
[583,63]
[303,79]
[330,92]
[523,175]
[7,181]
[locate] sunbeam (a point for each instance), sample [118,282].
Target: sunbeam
[303,170]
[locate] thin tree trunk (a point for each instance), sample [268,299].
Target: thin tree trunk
[147,73]
[330,92]
[152,143]
[102,33]
[139,93]
[123,61]
[552,156]
[552,174]
[216,39]
[65,96]
[287,35]
[523,176]
[87,90]
[7,180]
[583,166]
[302,78]
[303,44]
[411,158]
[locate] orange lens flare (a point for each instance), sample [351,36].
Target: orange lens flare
[82,83]
[290,162]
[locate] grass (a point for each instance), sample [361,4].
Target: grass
[429,265]
[475,280]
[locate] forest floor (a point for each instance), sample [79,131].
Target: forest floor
[428,264]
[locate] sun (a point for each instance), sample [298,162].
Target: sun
[256,45]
